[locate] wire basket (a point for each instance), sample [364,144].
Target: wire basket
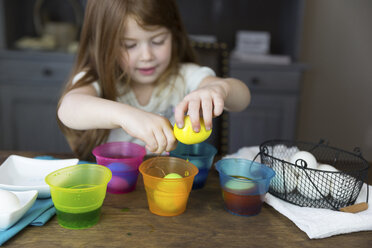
[302,186]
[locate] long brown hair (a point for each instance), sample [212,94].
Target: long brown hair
[99,48]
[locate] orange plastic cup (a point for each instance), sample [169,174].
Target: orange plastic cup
[167,196]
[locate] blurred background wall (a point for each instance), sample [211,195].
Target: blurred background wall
[335,102]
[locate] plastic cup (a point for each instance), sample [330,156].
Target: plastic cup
[123,159]
[167,196]
[78,192]
[201,155]
[244,184]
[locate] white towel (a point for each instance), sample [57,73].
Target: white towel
[317,223]
[320,223]
[246,153]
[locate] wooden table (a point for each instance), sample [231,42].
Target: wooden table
[126,222]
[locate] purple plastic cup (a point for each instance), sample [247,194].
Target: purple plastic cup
[123,159]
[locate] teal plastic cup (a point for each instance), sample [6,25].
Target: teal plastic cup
[244,185]
[201,155]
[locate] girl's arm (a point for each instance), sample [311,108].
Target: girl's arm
[210,99]
[82,109]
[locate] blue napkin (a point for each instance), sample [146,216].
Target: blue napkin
[44,217]
[37,215]
[46,157]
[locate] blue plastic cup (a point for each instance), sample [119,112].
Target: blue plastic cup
[201,155]
[244,184]
[124,178]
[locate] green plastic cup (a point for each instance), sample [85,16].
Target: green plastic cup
[78,192]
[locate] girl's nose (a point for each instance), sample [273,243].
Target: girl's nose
[146,53]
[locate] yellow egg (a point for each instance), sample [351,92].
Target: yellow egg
[187,135]
[173,175]
[171,195]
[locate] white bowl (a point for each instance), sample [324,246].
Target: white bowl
[19,173]
[26,199]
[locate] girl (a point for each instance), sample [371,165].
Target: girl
[135,75]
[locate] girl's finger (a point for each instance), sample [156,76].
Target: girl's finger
[193,112]
[161,141]
[179,113]
[207,114]
[218,105]
[151,143]
[171,140]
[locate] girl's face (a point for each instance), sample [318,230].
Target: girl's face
[148,52]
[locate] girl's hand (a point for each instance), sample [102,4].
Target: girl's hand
[156,131]
[208,101]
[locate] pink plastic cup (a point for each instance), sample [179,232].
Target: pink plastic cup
[123,159]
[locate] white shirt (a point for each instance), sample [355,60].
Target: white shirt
[162,103]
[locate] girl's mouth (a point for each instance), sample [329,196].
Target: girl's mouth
[147,71]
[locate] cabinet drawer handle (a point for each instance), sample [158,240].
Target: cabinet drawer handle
[47,72]
[255,80]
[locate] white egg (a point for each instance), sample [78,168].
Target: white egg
[9,201]
[280,151]
[292,150]
[342,187]
[327,167]
[306,186]
[240,185]
[339,184]
[305,156]
[284,180]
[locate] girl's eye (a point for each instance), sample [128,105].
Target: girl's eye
[158,42]
[129,46]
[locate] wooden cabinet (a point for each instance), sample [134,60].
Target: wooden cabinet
[273,110]
[275,88]
[30,87]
